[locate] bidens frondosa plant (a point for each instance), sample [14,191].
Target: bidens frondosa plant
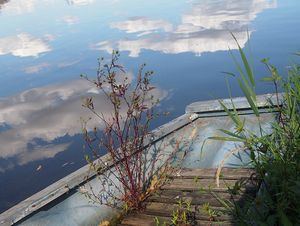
[275,155]
[126,172]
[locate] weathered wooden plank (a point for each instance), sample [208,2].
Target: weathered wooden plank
[149,220]
[166,210]
[197,200]
[184,186]
[203,184]
[226,173]
[177,194]
[143,220]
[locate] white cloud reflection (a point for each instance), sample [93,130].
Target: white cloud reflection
[71,19]
[3,2]
[36,68]
[41,152]
[229,14]
[23,45]
[197,43]
[19,6]
[205,28]
[68,63]
[47,113]
[79,2]
[142,24]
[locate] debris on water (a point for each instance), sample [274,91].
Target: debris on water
[39,168]
[66,163]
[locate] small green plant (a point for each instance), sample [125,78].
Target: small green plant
[211,213]
[182,215]
[275,155]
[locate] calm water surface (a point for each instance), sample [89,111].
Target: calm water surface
[46,44]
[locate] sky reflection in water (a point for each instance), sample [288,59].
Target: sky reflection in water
[46,44]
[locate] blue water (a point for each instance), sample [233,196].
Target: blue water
[46,44]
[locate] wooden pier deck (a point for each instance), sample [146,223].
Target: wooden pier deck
[194,192]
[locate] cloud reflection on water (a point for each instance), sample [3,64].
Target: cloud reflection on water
[23,45]
[48,113]
[229,14]
[79,2]
[70,20]
[19,6]
[142,24]
[205,28]
[3,2]
[36,68]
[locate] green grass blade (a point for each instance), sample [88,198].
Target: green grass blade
[250,90]
[249,98]
[244,77]
[228,73]
[219,138]
[245,62]
[234,117]
[232,134]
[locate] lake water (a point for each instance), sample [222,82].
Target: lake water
[46,44]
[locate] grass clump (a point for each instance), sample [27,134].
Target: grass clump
[276,155]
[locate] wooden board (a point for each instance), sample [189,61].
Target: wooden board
[149,220]
[226,173]
[197,187]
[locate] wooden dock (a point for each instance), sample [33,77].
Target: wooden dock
[194,192]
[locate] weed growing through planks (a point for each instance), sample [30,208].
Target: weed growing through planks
[182,215]
[129,166]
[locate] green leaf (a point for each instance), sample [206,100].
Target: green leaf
[262,224]
[228,73]
[252,155]
[249,88]
[234,116]
[284,219]
[244,77]
[265,60]
[297,53]
[232,134]
[225,139]
[245,62]
[249,98]
[267,79]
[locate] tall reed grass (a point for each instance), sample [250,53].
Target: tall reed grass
[276,155]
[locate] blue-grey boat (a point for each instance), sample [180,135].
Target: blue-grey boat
[64,202]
